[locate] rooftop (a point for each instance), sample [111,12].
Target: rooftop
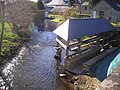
[77,28]
[113,4]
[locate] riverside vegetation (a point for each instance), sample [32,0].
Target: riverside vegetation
[18,18]
[10,40]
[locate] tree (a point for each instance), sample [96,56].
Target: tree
[15,20]
[3,18]
[19,14]
[40,5]
[93,2]
[71,12]
[71,3]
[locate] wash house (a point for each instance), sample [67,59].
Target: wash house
[80,37]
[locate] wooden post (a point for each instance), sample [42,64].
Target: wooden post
[67,49]
[58,50]
[98,41]
[103,42]
[57,42]
[79,47]
[108,34]
[3,27]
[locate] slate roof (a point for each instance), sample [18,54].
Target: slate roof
[113,4]
[85,3]
[57,3]
[77,28]
[77,1]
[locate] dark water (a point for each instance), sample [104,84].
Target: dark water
[107,65]
[35,67]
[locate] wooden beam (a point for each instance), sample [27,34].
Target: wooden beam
[79,47]
[67,49]
[63,45]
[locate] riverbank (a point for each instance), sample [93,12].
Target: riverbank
[80,82]
[14,52]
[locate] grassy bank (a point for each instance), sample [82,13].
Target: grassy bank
[57,18]
[10,40]
[116,24]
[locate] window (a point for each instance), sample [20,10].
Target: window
[101,13]
[85,7]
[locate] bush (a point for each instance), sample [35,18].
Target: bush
[72,12]
[10,40]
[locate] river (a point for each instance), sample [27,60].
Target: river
[35,67]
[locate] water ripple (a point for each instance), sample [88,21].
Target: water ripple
[35,67]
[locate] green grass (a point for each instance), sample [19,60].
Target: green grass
[84,37]
[7,26]
[57,18]
[10,39]
[116,24]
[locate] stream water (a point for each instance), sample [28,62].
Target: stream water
[35,67]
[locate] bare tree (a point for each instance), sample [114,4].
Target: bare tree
[2,20]
[18,12]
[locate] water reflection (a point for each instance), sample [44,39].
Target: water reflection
[35,67]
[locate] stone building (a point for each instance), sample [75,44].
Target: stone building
[107,9]
[85,9]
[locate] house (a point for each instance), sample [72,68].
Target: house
[56,4]
[107,9]
[85,9]
[84,6]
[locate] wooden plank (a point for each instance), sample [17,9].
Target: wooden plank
[91,40]
[73,49]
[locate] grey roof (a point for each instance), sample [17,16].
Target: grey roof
[77,1]
[85,3]
[57,3]
[113,4]
[77,28]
